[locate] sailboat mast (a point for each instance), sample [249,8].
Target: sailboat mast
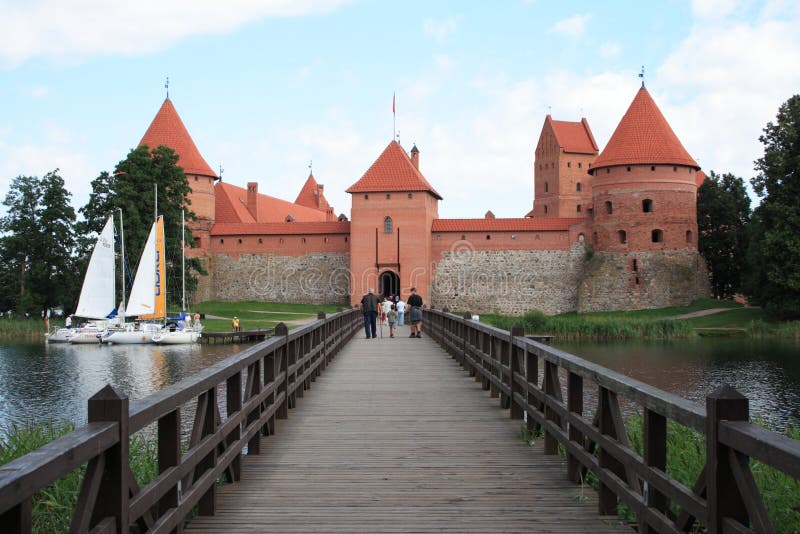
[122,267]
[183,260]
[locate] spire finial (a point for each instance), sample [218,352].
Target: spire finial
[549,110]
[641,75]
[397,135]
[221,170]
[166,86]
[310,169]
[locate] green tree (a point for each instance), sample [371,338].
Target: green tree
[38,242]
[139,181]
[723,212]
[774,260]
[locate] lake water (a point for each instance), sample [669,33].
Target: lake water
[765,371]
[41,382]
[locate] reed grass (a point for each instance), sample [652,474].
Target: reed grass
[24,328]
[53,506]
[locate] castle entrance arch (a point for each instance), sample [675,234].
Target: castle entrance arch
[388,284]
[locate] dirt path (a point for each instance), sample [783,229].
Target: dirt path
[701,313]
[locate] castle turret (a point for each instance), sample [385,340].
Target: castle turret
[167,129]
[644,185]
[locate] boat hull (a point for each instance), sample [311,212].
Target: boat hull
[59,335]
[178,337]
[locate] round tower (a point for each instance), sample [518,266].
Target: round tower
[644,187]
[167,129]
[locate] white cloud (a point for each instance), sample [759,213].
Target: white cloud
[573,26]
[716,8]
[439,30]
[81,28]
[609,50]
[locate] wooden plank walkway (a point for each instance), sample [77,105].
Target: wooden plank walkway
[395,437]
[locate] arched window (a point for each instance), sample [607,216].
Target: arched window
[689,236]
[387,225]
[578,187]
[579,208]
[657,236]
[546,187]
[581,238]
[647,205]
[545,209]
[609,207]
[623,237]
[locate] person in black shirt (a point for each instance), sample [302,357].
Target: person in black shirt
[415,316]
[369,307]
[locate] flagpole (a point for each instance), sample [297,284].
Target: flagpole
[394,119]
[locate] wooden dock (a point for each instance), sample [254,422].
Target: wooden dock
[395,437]
[245,336]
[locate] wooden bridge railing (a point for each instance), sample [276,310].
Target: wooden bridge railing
[260,384]
[725,496]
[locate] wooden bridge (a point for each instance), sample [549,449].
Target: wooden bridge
[398,435]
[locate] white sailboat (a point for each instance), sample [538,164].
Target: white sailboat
[97,293]
[148,294]
[178,333]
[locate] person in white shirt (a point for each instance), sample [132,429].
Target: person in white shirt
[386,305]
[401,311]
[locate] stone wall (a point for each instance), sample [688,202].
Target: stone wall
[510,282]
[644,280]
[315,278]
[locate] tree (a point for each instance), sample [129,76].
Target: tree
[140,180]
[774,259]
[39,242]
[723,212]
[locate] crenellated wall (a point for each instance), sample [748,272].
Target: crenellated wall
[313,278]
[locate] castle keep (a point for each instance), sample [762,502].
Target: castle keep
[609,230]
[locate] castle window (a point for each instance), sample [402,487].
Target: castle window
[197,242]
[657,236]
[366,197]
[652,167]
[388,196]
[545,209]
[195,178]
[689,236]
[488,236]
[289,218]
[581,238]
[463,237]
[260,240]
[513,236]
[325,240]
[578,208]
[674,169]
[629,168]
[609,207]
[221,241]
[410,195]
[546,187]
[240,241]
[387,225]
[647,205]
[438,237]
[345,239]
[623,237]
[303,240]
[638,280]
[594,237]
[608,170]
[580,165]
[569,164]
[578,187]
[634,265]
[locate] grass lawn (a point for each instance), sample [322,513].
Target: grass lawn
[253,314]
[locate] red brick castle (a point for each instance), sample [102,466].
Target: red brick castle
[615,229]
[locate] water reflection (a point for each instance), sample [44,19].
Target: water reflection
[53,382]
[767,372]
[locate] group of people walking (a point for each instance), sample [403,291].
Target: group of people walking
[392,311]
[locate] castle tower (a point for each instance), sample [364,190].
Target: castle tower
[167,129]
[312,195]
[564,153]
[644,185]
[392,212]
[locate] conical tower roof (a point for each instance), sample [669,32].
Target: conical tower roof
[167,129]
[643,137]
[393,171]
[311,195]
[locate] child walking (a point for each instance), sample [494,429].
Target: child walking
[391,316]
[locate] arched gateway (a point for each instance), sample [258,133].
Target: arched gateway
[388,284]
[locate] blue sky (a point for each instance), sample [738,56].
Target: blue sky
[265,87]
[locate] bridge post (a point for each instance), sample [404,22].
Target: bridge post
[723,496]
[169,455]
[112,496]
[321,338]
[574,405]
[283,356]
[465,340]
[233,402]
[517,330]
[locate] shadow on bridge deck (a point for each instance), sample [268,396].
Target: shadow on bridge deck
[395,437]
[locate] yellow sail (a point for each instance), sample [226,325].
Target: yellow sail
[161,271]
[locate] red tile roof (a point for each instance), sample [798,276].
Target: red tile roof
[311,195]
[643,136]
[295,228]
[699,178]
[504,225]
[167,129]
[392,171]
[231,208]
[575,137]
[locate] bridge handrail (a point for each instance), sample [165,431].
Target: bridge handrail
[724,495]
[260,384]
